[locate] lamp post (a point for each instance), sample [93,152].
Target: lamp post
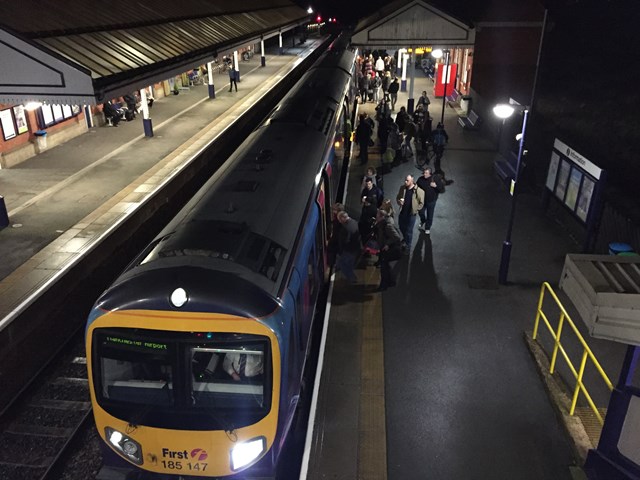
[437,54]
[504,111]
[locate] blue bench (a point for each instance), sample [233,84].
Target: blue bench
[470,122]
[454,99]
[506,168]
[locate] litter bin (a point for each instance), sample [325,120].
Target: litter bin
[617,248]
[41,140]
[465,103]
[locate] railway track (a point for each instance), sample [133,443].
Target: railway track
[38,430]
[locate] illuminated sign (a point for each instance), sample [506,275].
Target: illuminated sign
[127,342]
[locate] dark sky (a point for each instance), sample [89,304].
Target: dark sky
[350,11]
[347,11]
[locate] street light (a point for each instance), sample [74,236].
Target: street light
[505,111]
[437,54]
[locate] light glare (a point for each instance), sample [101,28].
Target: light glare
[503,110]
[32,106]
[179,297]
[246,452]
[437,53]
[115,438]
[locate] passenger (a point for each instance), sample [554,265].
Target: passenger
[131,100]
[424,100]
[439,138]
[242,365]
[386,81]
[334,234]
[110,112]
[380,66]
[394,142]
[233,78]
[372,174]
[349,247]
[363,137]
[390,244]
[432,185]
[393,92]
[410,198]
[387,206]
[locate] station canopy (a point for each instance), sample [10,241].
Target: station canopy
[78,52]
[406,23]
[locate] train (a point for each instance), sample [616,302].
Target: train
[196,352]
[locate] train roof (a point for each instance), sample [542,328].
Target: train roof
[245,220]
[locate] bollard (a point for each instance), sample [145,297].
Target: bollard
[148,127]
[4,216]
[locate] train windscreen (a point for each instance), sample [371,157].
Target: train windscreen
[198,380]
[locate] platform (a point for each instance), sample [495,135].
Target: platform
[431,379]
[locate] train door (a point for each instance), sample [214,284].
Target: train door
[323,229]
[341,142]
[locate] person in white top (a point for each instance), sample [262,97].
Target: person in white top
[380,66]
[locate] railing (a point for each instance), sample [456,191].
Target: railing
[557,346]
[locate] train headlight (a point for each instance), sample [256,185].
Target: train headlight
[246,452]
[125,446]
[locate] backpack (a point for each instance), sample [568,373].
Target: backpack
[407,152]
[380,195]
[439,138]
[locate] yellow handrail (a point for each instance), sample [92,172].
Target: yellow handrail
[557,346]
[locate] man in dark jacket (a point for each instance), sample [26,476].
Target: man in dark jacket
[393,92]
[440,138]
[110,112]
[233,78]
[363,136]
[390,245]
[349,246]
[432,185]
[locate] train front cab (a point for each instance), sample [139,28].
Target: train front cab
[164,401]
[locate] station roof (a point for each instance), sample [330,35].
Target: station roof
[403,23]
[87,51]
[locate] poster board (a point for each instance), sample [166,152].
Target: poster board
[21,119]
[7,124]
[572,179]
[47,116]
[57,112]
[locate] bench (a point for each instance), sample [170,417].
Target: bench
[470,122]
[454,99]
[506,168]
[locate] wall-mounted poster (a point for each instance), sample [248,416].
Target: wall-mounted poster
[584,200]
[8,127]
[66,111]
[75,109]
[572,189]
[21,119]
[57,112]
[47,115]
[553,171]
[563,178]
